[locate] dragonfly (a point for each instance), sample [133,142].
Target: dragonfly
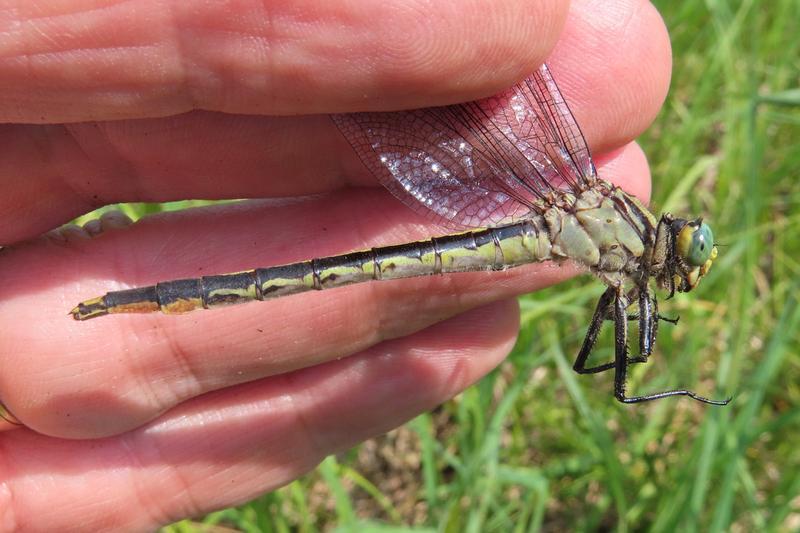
[513,177]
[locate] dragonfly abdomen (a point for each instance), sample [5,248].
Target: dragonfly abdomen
[486,249]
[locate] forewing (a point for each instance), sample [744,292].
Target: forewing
[481,163]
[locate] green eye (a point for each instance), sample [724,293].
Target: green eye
[699,250]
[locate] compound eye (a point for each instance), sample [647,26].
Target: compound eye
[696,244]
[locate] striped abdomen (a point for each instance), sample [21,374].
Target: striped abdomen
[488,249]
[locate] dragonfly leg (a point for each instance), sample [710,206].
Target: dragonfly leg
[635,316]
[673,321]
[602,312]
[648,322]
[646,300]
[648,317]
[621,362]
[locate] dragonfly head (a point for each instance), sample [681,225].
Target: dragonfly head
[693,252]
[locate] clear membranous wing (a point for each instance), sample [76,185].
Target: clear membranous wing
[482,163]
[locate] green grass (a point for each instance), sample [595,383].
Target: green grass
[535,446]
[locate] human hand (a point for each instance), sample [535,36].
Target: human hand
[197,412]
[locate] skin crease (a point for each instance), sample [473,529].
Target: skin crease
[251,397]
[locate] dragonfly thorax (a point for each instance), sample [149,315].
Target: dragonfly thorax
[606,230]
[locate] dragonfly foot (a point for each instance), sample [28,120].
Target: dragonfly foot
[648,397]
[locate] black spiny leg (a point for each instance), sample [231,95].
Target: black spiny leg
[648,322]
[621,361]
[604,311]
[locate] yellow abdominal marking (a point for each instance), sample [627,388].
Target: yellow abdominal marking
[182,305]
[138,307]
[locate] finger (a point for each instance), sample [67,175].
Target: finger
[614,88]
[247,57]
[156,361]
[251,438]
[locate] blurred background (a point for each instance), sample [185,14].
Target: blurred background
[536,447]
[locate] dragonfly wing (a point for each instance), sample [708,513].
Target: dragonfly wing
[534,116]
[481,163]
[435,169]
